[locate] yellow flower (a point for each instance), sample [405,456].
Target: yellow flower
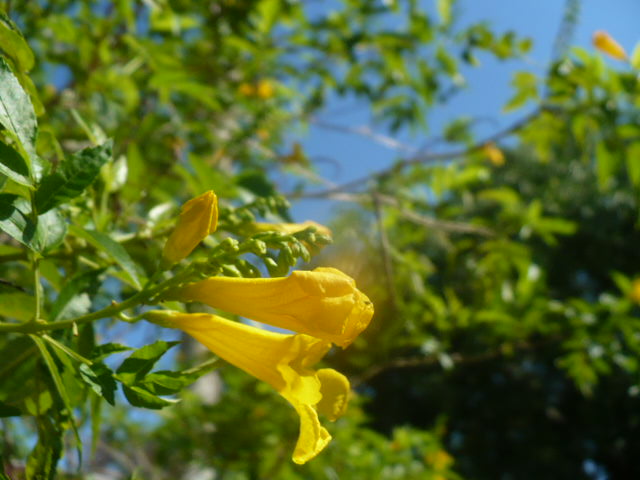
[605,43]
[264,89]
[283,361]
[290,228]
[635,291]
[198,218]
[246,89]
[494,154]
[324,303]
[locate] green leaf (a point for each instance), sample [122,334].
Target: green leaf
[15,220]
[50,231]
[526,85]
[140,362]
[101,380]
[169,383]
[633,163]
[635,57]
[13,166]
[16,112]
[139,397]
[74,298]
[606,164]
[106,349]
[60,387]
[42,461]
[72,177]
[444,11]
[114,250]
[14,45]
[18,305]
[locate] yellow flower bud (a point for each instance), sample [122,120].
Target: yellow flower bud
[605,43]
[198,218]
[246,89]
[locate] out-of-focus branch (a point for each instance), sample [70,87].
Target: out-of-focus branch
[365,131]
[424,158]
[430,222]
[456,358]
[385,248]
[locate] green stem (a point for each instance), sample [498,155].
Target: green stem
[110,311]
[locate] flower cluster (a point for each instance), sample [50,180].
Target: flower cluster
[323,306]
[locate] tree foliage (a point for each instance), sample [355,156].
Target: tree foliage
[503,269]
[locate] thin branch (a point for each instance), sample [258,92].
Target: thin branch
[456,358]
[385,247]
[430,222]
[425,158]
[365,131]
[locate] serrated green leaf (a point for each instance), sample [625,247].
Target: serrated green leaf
[16,112]
[169,383]
[50,231]
[73,299]
[101,380]
[14,45]
[72,177]
[139,363]
[15,220]
[106,349]
[114,250]
[13,165]
[139,397]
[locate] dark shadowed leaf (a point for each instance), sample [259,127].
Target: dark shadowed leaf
[72,177]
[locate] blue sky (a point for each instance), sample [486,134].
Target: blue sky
[488,87]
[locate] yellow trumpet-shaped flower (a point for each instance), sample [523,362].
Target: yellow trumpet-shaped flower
[283,361]
[198,218]
[324,303]
[290,228]
[606,43]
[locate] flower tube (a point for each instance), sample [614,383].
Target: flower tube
[323,303]
[283,361]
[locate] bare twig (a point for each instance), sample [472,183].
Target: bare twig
[385,249]
[456,358]
[365,131]
[424,158]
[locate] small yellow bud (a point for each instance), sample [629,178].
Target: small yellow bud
[198,218]
[246,89]
[494,154]
[605,43]
[265,89]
